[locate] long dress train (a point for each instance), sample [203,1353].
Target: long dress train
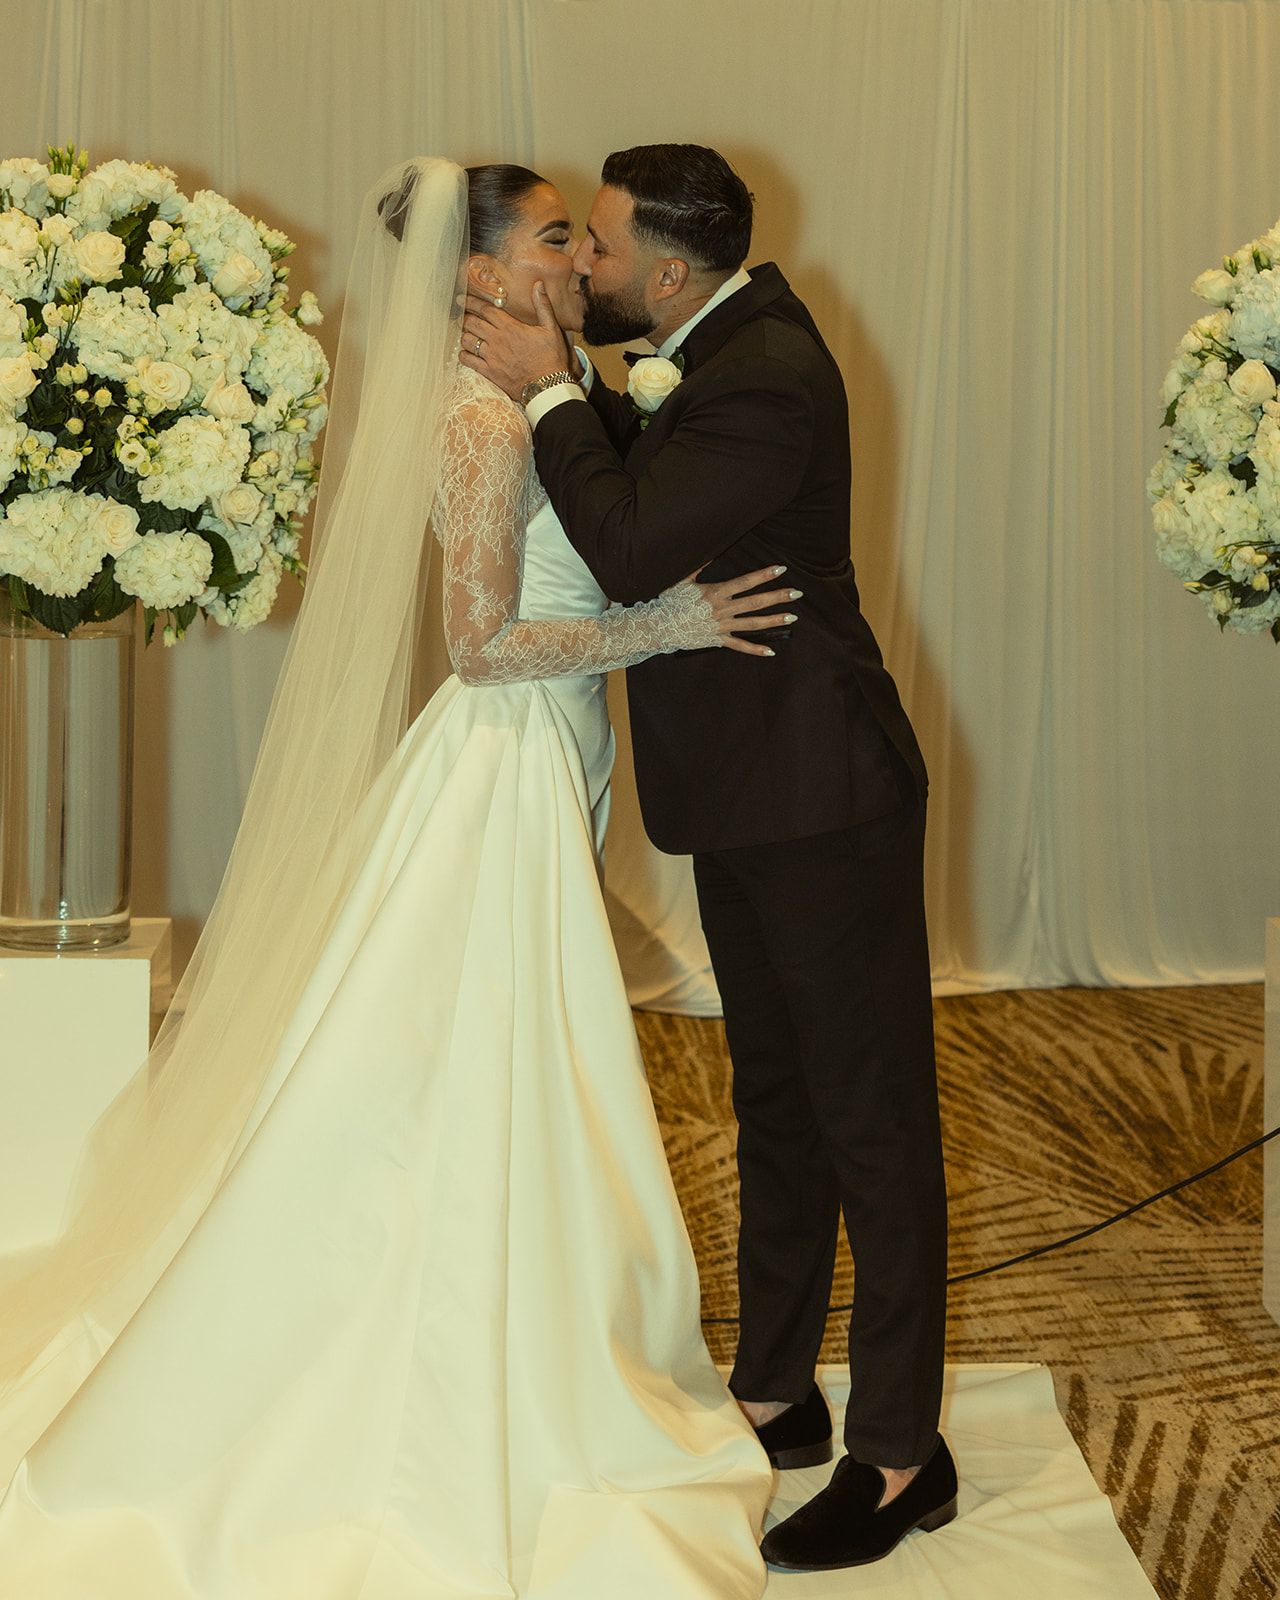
[437,1336]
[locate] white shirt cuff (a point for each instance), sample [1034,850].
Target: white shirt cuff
[550,398]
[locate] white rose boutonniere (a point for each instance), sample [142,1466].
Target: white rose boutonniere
[652,380]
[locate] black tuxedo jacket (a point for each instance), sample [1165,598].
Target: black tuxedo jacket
[745,464]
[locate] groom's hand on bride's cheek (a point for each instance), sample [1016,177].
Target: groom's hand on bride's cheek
[512,353]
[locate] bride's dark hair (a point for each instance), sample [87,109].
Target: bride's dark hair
[494,193]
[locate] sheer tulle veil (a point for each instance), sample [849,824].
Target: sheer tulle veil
[169,1141]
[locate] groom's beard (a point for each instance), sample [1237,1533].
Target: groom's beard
[615,318]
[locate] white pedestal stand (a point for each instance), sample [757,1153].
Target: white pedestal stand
[1271,1116]
[74,1028]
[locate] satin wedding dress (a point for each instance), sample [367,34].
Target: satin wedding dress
[437,1336]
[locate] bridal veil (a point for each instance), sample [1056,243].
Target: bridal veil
[168,1142]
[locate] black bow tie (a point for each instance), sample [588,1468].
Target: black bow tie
[632,356]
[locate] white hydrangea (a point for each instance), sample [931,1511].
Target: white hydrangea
[1255,318]
[12,434]
[217,231]
[287,358]
[25,183]
[193,460]
[114,328]
[116,188]
[1212,422]
[57,539]
[198,328]
[1220,511]
[247,541]
[250,605]
[1255,619]
[165,569]
[13,324]
[22,263]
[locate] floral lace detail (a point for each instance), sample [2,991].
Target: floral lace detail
[488,491]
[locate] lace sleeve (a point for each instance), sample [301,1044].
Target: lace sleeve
[482,507]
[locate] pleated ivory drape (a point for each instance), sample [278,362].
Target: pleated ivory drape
[994,208]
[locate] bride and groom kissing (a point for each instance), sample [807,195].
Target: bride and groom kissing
[378,1286]
[798,788]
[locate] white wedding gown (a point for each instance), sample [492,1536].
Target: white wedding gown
[438,1334]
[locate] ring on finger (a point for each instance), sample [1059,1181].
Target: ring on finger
[479,345]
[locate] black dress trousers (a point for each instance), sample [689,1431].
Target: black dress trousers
[821,955]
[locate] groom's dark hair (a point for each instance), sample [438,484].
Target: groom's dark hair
[688,200]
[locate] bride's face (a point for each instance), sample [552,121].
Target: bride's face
[539,249]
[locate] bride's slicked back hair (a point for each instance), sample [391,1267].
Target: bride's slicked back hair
[688,200]
[494,193]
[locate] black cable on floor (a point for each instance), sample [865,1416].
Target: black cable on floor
[1074,1238]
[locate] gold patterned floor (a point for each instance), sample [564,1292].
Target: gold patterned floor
[1059,1107]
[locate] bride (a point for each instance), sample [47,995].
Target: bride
[376,1287]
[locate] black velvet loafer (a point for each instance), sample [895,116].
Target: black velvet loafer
[841,1527]
[801,1436]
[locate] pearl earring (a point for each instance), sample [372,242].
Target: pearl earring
[500,298]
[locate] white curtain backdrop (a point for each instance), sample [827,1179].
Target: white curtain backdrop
[994,209]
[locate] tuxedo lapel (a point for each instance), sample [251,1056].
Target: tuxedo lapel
[766,287]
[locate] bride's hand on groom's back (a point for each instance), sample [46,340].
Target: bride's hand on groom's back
[736,611]
[511,353]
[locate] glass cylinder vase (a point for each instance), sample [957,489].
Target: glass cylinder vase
[66,782]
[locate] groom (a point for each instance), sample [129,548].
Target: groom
[797,786]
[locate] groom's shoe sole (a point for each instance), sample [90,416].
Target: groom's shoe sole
[930,1524]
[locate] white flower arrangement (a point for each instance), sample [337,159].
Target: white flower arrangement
[158,403]
[1215,490]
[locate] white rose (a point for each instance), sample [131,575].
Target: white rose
[240,504]
[17,380]
[239,276]
[231,402]
[651,381]
[158,230]
[61,184]
[100,256]
[1215,286]
[1252,384]
[116,526]
[133,455]
[164,381]
[309,312]
[1216,371]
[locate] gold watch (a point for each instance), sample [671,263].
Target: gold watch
[536,386]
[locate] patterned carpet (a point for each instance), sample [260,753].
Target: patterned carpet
[1060,1107]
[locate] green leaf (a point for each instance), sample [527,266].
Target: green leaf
[157,518]
[1213,580]
[1253,597]
[55,612]
[106,598]
[1171,412]
[149,615]
[18,595]
[224,575]
[1245,470]
[1275,630]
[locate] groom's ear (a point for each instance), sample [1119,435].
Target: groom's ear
[671,275]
